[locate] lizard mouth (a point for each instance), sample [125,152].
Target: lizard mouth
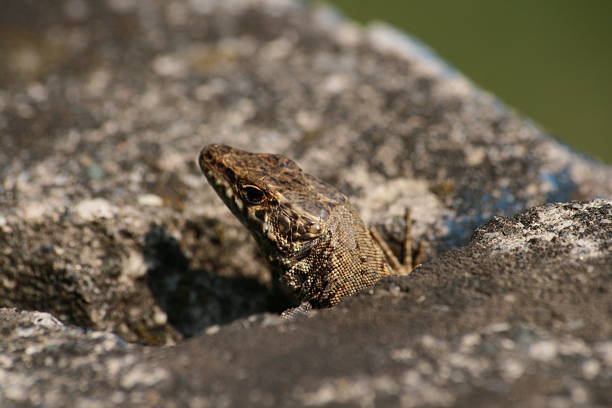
[220,177]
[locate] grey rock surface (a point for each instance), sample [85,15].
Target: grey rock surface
[104,106]
[106,223]
[500,322]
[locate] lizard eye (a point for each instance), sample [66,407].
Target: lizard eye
[253,194]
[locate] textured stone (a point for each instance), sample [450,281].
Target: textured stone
[475,327]
[107,224]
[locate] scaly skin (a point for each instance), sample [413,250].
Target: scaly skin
[308,231]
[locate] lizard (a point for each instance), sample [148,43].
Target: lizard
[312,237]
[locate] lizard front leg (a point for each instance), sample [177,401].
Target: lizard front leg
[409,262]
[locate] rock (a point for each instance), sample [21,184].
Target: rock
[92,209]
[127,227]
[107,224]
[122,274]
[490,322]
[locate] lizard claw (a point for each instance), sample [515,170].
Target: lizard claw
[295,312]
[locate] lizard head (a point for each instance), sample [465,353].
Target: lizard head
[284,208]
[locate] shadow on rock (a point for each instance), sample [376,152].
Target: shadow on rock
[194,299]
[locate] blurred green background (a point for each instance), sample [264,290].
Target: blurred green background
[549,59]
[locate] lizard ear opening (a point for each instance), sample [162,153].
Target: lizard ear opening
[253,194]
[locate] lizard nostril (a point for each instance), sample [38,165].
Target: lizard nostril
[213,153]
[207,152]
[209,157]
[230,175]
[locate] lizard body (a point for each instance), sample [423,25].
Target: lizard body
[313,238]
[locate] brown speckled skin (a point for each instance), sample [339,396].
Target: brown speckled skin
[308,231]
